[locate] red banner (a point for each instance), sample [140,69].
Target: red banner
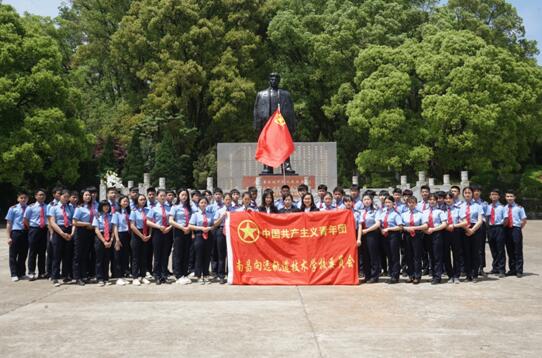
[317,248]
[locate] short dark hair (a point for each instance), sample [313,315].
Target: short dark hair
[134,189]
[194,193]
[495,190]
[390,198]
[476,187]
[57,188]
[425,187]
[21,192]
[397,191]
[161,191]
[322,187]
[218,191]
[234,191]
[354,187]
[285,186]
[111,188]
[433,196]
[510,191]
[412,199]
[440,194]
[455,187]
[302,187]
[92,189]
[36,192]
[102,204]
[170,191]
[383,193]
[408,192]
[151,190]
[338,189]
[252,189]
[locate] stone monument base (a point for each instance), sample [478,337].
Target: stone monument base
[275,182]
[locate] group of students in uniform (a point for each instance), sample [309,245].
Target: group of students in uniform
[76,239]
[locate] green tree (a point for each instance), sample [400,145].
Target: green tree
[134,167]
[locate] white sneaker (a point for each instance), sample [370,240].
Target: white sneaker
[121,282]
[145,281]
[31,276]
[56,283]
[101,283]
[136,282]
[14,279]
[191,274]
[186,280]
[148,276]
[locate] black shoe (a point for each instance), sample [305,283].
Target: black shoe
[435,281]
[416,281]
[158,281]
[385,273]
[80,282]
[425,272]
[223,281]
[463,274]
[519,275]
[501,275]
[373,280]
[394,280]
[494,272]
[482,273]
[474,279]
[510,273]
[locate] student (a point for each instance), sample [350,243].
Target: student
[196,195]
[391,226]
[140,241]
[218,204]
[134,193]
[495,217]
[452,239]
[112,196]
[221,245]
[253,196]
[56,192]
[369,239]
[407,193]
[268,203]
[92,251]
[245,203]
[284,190]
[349,205]
[35,218]
[514,222]
[170,198]
[456,190]
[94,193]
[158,219]
[201,224]
[179,218]
[17,237]
[307,203]
[354,193]
[322,191]
[328,203]
[209,196]
[413,237]
[122,241]
[338,194]
[302,189]
[60,220]
[436,221]
[400,207]
[471,216]
[288,205]
[74,199]
[477,197]
[83,217]
[104,226]
[441,204]
[235,195]
[384,247]
[151,198]
[427,256]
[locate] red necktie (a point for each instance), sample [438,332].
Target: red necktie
[450,219]
[42,217]
[113,209]
[363,223]
[492,217]
[430,221]
[91,212]
[66,222]
[106,228]
[423,206]
[127,219]
[205,234]
[468,213]
[386,222]
[510,217]
[186,218]
[145,228]
[24,223]
[164,222]
[412,233]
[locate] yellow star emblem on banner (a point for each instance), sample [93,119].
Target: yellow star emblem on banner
[248,231]
[279,119]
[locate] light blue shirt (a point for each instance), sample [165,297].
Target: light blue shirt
[416,216]
[123,220]
[157,216]
[328,208]
[475,211]
[455,213]
[99,221]
[484,205]
[57,212]
[82,214]
[401,207]
[279,203]
[136,216]
[357,218]
[197,219]
[394,219]
[518,214]
[368,217]
[422,206]
[499,214]
[180,214]
[32,214]
[15,215]
[151,205]
[436,214]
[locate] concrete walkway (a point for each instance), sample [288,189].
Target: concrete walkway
[492,318]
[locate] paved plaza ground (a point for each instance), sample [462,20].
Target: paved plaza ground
[492,318]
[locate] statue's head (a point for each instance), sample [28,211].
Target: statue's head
[274,80]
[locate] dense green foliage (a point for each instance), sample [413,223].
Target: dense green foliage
[401,86]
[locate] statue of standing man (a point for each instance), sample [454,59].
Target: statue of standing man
[266,103]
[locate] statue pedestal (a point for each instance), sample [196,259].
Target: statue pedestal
[317,160]
[275,182]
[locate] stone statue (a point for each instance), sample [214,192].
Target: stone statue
[266,103]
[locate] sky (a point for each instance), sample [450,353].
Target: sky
[529,10]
